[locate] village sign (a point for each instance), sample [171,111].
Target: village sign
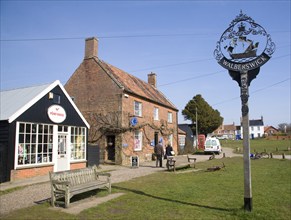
[242,49]
[244,46]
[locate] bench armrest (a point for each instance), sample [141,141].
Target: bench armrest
[58,182]
[104,174]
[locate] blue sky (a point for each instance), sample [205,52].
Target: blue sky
[42,41]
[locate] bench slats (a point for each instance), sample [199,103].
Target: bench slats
[72,182]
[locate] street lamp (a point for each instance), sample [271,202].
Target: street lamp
[237,52]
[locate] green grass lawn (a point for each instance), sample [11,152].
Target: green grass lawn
[276,147]
[191,194]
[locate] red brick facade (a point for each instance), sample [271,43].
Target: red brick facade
[101,89]
[39,171]
[30,172]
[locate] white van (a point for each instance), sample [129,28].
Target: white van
[212,145]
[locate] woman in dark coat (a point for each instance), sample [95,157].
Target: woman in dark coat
[168,151]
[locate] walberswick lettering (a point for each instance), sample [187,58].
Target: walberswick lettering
[259,61]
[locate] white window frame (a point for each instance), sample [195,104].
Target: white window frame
[137,145]
[78,143]
[182,140]
[137,108]
[170,117]
[29,150]
[156,113]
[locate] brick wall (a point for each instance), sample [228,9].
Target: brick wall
[149,130]
[74,166]
[30,172]
[95,92]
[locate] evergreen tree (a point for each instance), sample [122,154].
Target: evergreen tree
[208,119]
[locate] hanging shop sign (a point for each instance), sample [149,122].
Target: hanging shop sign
[56,113]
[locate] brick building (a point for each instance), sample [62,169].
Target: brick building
[270,130]
[225,131]
[127,116]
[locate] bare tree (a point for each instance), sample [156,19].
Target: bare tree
[102,124]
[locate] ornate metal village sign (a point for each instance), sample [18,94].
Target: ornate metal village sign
[242,49]
[244,46]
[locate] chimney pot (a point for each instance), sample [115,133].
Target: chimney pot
[91,47]
[152,79]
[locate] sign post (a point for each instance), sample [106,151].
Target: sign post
[239,51]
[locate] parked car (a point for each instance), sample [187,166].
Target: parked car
[222,137]
[212,145]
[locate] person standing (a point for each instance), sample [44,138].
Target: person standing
[159,152]
[169,150]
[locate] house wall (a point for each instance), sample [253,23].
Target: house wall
[254,131]
[94,91]
[4,143]
[30,172]
[155,126]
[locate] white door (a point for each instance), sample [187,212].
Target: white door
[63,159]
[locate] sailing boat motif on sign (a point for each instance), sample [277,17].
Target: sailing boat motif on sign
[242,43]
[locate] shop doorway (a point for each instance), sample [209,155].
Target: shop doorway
[63,158]
[111,147]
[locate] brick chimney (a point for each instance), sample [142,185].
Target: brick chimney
[152,79]
[91,47]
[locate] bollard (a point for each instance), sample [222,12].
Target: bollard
[223,155]
[271,155]
[283,156]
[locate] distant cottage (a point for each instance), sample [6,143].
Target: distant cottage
[256,128]
[127,115]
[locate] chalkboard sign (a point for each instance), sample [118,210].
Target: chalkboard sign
[134,161]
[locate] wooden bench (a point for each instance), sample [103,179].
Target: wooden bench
[72,182]
[190,158]
[171,163]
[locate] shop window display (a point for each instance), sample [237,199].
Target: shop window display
[34,143]
[78,143]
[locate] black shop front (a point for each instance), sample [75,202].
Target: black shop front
[41,130]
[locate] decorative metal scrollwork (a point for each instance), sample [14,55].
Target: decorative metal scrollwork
[243,41]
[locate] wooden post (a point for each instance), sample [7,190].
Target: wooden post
[246,142]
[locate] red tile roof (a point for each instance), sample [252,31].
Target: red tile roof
[136,86]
